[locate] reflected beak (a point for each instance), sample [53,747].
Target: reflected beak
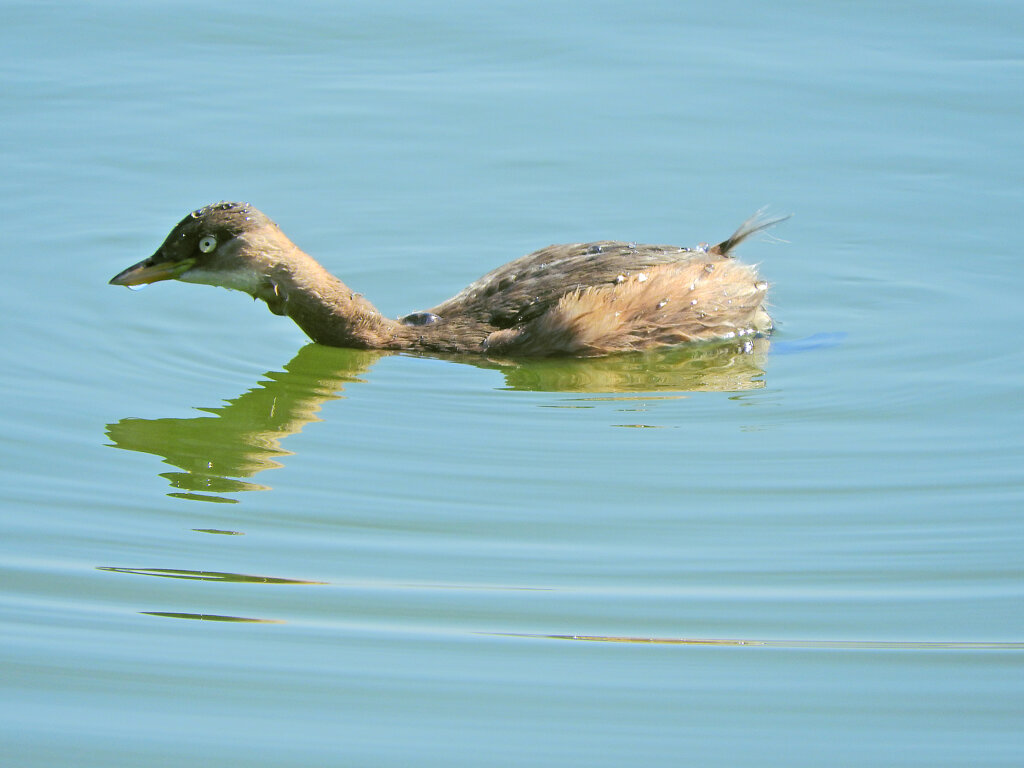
[152,270]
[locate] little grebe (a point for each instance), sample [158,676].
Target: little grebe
[580,299]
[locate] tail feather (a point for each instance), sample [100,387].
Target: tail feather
[756,223]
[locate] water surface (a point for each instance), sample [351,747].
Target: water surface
[221,544]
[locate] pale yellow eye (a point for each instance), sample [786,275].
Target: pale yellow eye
[207,244]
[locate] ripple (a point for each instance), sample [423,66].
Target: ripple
[174,573]
[896,645]
[210,617]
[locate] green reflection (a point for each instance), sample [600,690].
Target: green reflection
[174,573]
[219,452]
[724,367]
[243,437]
[209,617]
[218,531]
[203,497]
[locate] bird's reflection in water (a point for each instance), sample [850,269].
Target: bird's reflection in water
[720,367]
[218,454]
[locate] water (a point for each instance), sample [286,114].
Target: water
[222,545]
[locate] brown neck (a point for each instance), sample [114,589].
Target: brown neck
[293,284]
[323,306]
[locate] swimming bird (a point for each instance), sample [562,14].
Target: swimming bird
[580,299]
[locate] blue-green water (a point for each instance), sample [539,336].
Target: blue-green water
[222,546]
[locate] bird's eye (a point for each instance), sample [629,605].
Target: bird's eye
[207,244]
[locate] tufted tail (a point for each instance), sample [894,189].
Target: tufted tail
[756,223]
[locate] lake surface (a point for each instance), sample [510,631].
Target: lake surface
[223,545]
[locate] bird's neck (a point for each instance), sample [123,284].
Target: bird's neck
[322,305]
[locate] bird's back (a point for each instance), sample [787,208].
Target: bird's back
[608,296]
[526,288]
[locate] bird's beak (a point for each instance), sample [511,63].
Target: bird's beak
[152,270]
